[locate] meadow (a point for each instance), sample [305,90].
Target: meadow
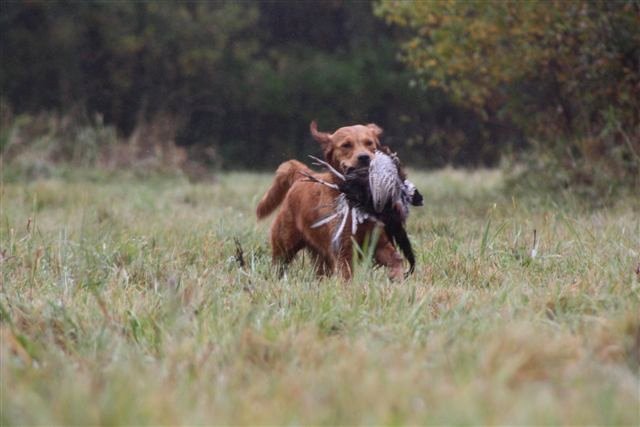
[147,299]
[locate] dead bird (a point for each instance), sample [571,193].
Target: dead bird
[379,192]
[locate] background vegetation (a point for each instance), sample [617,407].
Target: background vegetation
[565,73]
[244,78]
[238,82]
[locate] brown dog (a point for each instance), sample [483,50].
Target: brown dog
[304,203]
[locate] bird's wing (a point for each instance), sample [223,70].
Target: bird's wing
[384,181]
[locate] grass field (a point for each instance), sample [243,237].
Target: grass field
[122,302]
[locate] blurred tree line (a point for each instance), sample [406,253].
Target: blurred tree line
[243,77]
[477,80]
[564,72]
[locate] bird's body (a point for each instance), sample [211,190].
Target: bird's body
[379,193]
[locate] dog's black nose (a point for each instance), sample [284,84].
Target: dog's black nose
[364,159]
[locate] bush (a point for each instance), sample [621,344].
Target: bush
[564,72]
[35,146]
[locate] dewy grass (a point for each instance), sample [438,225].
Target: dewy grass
[123,302]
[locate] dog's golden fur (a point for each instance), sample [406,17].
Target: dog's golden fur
[303,203]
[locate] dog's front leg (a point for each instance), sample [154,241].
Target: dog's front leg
[323,265]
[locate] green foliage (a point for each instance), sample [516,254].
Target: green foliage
[242,78]
[565,72]
[121,60]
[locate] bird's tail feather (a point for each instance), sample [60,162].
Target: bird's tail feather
[398,236]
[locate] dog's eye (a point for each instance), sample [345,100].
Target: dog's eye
[368,143]
[347,145]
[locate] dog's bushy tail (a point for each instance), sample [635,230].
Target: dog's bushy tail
[287,173]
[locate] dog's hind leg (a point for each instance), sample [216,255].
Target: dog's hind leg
[286,242]
[283,253]
[281,260]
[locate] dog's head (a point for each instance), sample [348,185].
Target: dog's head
[349,147]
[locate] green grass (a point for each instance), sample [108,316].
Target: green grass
[122,302]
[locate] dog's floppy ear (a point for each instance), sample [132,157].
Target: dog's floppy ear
[325,142]
[322,137]
[377,130]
